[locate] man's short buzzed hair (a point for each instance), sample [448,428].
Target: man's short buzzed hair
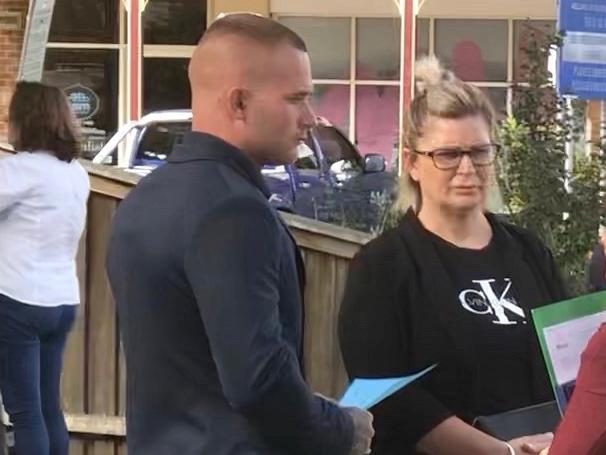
[257,28]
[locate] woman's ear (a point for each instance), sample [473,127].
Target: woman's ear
[409,161]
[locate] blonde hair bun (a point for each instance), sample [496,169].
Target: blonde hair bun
[430,72]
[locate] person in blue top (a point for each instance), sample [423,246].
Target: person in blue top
[207,278]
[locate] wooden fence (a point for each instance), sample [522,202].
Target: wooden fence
[93,383]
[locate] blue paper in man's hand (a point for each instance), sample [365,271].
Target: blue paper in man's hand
[365,393]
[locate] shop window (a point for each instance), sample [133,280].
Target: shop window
[498,98]
[476,50]
[377,117]
[165,84]
[328,42]
[378,49]
[422,38]
[88,21]
[332,103]
[174,21]
[90,80]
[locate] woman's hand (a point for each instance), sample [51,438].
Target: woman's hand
[534,444]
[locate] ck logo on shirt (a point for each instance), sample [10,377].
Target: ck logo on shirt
[487,300]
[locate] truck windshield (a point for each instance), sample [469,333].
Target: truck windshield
[158,140]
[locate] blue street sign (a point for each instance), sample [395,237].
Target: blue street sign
[582,58]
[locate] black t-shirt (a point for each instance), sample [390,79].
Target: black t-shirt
[497,320]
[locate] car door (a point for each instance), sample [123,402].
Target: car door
[362,197]
[340,156]
[279,180]
[312,187]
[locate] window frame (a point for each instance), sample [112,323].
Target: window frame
[148,50]
[510,82]
[353,81]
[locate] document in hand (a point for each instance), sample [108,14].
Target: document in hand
[365,393]
[564,329]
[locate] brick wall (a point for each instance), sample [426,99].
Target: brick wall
[13,15]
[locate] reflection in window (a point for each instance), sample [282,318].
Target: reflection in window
[498,98]
[91,77]
[165,84]
[328,42]
[335,146]
[378,49]
[158,141]
[377,120]
[174,21]
[332,103]
[422,42]
[306,158]
[476,50]
[85,21]
[524,32]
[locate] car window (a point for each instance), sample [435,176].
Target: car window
[158,141]
[335,145]
[306,158]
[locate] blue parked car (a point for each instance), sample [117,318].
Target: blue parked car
[330,181]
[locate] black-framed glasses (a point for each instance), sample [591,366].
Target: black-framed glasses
[450,157]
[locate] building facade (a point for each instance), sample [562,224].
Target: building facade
[362,54]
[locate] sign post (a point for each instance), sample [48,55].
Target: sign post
[582,58]
[35,40]
[134,9]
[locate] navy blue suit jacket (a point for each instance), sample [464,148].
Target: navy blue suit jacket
[207,281]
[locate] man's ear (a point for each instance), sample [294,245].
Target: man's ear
[238,99]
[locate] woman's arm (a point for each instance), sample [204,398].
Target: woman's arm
[371,334]
[455,437]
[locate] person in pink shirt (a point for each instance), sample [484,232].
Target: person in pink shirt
[583,429]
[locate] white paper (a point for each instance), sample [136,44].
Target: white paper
[567,341]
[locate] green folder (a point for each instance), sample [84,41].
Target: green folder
[564,329]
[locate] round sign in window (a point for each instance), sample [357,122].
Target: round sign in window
[84,101]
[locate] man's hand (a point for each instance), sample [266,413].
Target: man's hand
[533,444]
[363,431]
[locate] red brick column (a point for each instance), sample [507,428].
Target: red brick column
[13,15]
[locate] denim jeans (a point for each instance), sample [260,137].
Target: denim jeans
[32,339]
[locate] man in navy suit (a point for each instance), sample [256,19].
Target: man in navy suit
[207,278]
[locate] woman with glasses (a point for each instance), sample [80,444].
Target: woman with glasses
[451,285]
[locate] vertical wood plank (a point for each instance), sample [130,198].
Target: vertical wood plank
[102,447]
[339,376]
[102,349]
[73,378]
[321,342]
[76,447]
[121,382]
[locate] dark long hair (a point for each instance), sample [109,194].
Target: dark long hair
[40,118]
